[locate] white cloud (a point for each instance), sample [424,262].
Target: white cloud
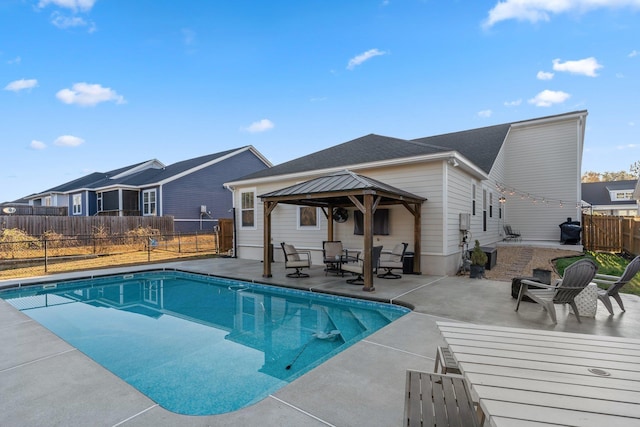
[624,147]
[64,22]
[359,59]
[541,10]
[513,103]
[22,84]
[86,94]
[37,145]
[632,124]
[544,75]
[586,67]
[633,54]
[260,126]
[15,60]
[485,113]
[84,5]
[547,98]
[68,141]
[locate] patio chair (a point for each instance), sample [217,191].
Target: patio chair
[615,283]
[509,234]
[576,277]
[438,400]
[392,261]
[332,252]
[296,259]
[358,266]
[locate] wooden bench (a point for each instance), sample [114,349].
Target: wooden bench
[446,361]
[437,400]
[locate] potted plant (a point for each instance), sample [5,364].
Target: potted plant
[478,261]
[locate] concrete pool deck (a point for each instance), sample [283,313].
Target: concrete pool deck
[45,381]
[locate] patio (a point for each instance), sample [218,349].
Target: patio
[44,381]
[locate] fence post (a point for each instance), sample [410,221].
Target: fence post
[196,241]
[45,255]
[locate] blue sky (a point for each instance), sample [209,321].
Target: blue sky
[94,85]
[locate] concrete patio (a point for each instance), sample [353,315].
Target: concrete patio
[45,381]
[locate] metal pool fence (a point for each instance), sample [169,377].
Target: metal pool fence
[80,252]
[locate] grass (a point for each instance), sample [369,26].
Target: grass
[608,263]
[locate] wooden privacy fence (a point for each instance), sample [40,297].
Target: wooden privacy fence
[84,225]
[611,233]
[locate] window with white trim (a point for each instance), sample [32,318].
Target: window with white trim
[77,204]
[149,203]
[248,209]
[99,202]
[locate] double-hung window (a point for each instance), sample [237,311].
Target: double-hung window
[149,203]
[77,204]
[248,209]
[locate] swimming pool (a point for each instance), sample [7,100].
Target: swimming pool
[200,345]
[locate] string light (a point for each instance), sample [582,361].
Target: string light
[506,190]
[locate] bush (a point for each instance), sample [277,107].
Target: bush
[478,257]
[13,240]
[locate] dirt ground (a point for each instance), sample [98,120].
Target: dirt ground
[517,261]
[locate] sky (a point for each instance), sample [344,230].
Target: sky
[95,85]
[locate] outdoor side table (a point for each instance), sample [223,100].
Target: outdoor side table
[587,301]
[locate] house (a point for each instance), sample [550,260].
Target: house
[610,198]
[471,183]
[191,190]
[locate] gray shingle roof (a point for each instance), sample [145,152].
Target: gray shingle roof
[481,146]
[597,193]
[143,178]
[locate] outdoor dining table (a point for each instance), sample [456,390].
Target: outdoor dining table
[527,377]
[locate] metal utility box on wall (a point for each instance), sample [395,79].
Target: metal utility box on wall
[465,221]
[203,209]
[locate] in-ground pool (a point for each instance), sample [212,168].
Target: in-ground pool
[200,345]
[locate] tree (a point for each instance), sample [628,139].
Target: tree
[591,176]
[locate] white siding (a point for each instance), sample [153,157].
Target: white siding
[542,161]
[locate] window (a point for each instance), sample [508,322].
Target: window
[624,195]
[308,217]
[247,209]
[149,203]
[46,201]
[77,204]
[484,210]
[490,205]
[99,202]
[473,199]
[380,222]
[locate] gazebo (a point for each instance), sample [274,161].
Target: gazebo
[344,189]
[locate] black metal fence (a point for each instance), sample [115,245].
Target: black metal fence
[45,254]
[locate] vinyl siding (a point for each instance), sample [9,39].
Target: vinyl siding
[182,198]
[542,161]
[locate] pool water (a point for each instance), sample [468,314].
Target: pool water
[200,345]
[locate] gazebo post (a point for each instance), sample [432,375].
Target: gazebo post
[368,243]
[266,227]
[330,223]
[417,233]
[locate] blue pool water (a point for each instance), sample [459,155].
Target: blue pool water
[200,345]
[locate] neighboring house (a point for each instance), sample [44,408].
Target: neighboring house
[610,198]
[525,174]
[191,191]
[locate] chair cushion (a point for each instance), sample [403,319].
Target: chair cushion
[352,268]
[292,255]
